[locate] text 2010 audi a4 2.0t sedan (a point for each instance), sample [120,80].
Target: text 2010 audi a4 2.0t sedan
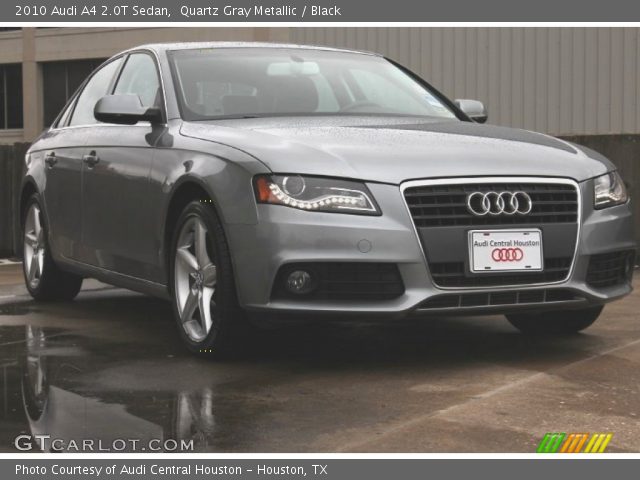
[242,180]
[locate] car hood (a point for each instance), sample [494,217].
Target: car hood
[395,149]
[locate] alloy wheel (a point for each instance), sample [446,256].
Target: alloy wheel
[195,279]
[34,246]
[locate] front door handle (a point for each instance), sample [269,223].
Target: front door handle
[91,160]
[50,159]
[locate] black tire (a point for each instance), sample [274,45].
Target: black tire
[560,322]
[52,284]
[229,324]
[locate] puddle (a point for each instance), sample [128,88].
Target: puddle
[53,387]
[110,366]
[12,310]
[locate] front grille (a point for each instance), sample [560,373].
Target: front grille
[610,269]
[446,205]
[443,221]
[498,299]
[452,274]
[344,281]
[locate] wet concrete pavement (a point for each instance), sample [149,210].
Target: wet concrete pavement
[110,365]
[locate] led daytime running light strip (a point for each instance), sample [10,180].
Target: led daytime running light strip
[340,201]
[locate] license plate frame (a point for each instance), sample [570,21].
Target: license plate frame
[513,244]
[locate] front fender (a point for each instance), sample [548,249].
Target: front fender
[225,175]
[227,183]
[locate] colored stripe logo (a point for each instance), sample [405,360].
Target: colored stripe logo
[574,443]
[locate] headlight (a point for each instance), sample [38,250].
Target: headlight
[315,194]
[609,190]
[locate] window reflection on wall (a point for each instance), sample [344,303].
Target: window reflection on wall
[10,96]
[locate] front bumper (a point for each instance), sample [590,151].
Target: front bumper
[285,235]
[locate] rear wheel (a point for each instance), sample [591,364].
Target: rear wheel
[204,297]
[44,280]
[561,322]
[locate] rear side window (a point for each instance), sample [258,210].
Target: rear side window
[96,88]
[140,77]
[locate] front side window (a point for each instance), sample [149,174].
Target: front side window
[237,82]
[96,88]
[140,77]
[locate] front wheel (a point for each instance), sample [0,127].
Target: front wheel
[560,322]
[44,280]
[204,297]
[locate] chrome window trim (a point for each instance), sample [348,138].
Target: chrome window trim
[466,180]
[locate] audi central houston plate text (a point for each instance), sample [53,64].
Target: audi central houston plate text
[241,180]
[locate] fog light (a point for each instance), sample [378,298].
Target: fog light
[300,282]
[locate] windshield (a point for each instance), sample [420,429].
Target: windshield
[248,82]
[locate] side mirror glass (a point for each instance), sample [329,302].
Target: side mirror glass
[474,109]
[125,110]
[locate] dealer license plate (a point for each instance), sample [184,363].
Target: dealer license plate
[505,250]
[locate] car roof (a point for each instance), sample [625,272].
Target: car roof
[164,47]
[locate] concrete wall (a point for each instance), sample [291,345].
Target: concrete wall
[562,81]
[83,43]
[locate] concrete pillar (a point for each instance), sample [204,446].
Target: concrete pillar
[31,86]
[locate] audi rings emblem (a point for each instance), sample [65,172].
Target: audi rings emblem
[507,254]
[499,203]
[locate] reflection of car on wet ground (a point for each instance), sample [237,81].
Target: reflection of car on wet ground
[63,417]
[272,179]
[449,384]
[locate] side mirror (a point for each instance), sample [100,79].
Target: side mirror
[474,109]
[125,110]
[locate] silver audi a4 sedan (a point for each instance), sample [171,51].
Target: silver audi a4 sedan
[260,181]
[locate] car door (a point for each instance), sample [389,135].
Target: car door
[63,152]
[116,224]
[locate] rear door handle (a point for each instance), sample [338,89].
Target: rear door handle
[50,159]
[91,160]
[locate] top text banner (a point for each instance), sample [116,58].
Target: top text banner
[294,11]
